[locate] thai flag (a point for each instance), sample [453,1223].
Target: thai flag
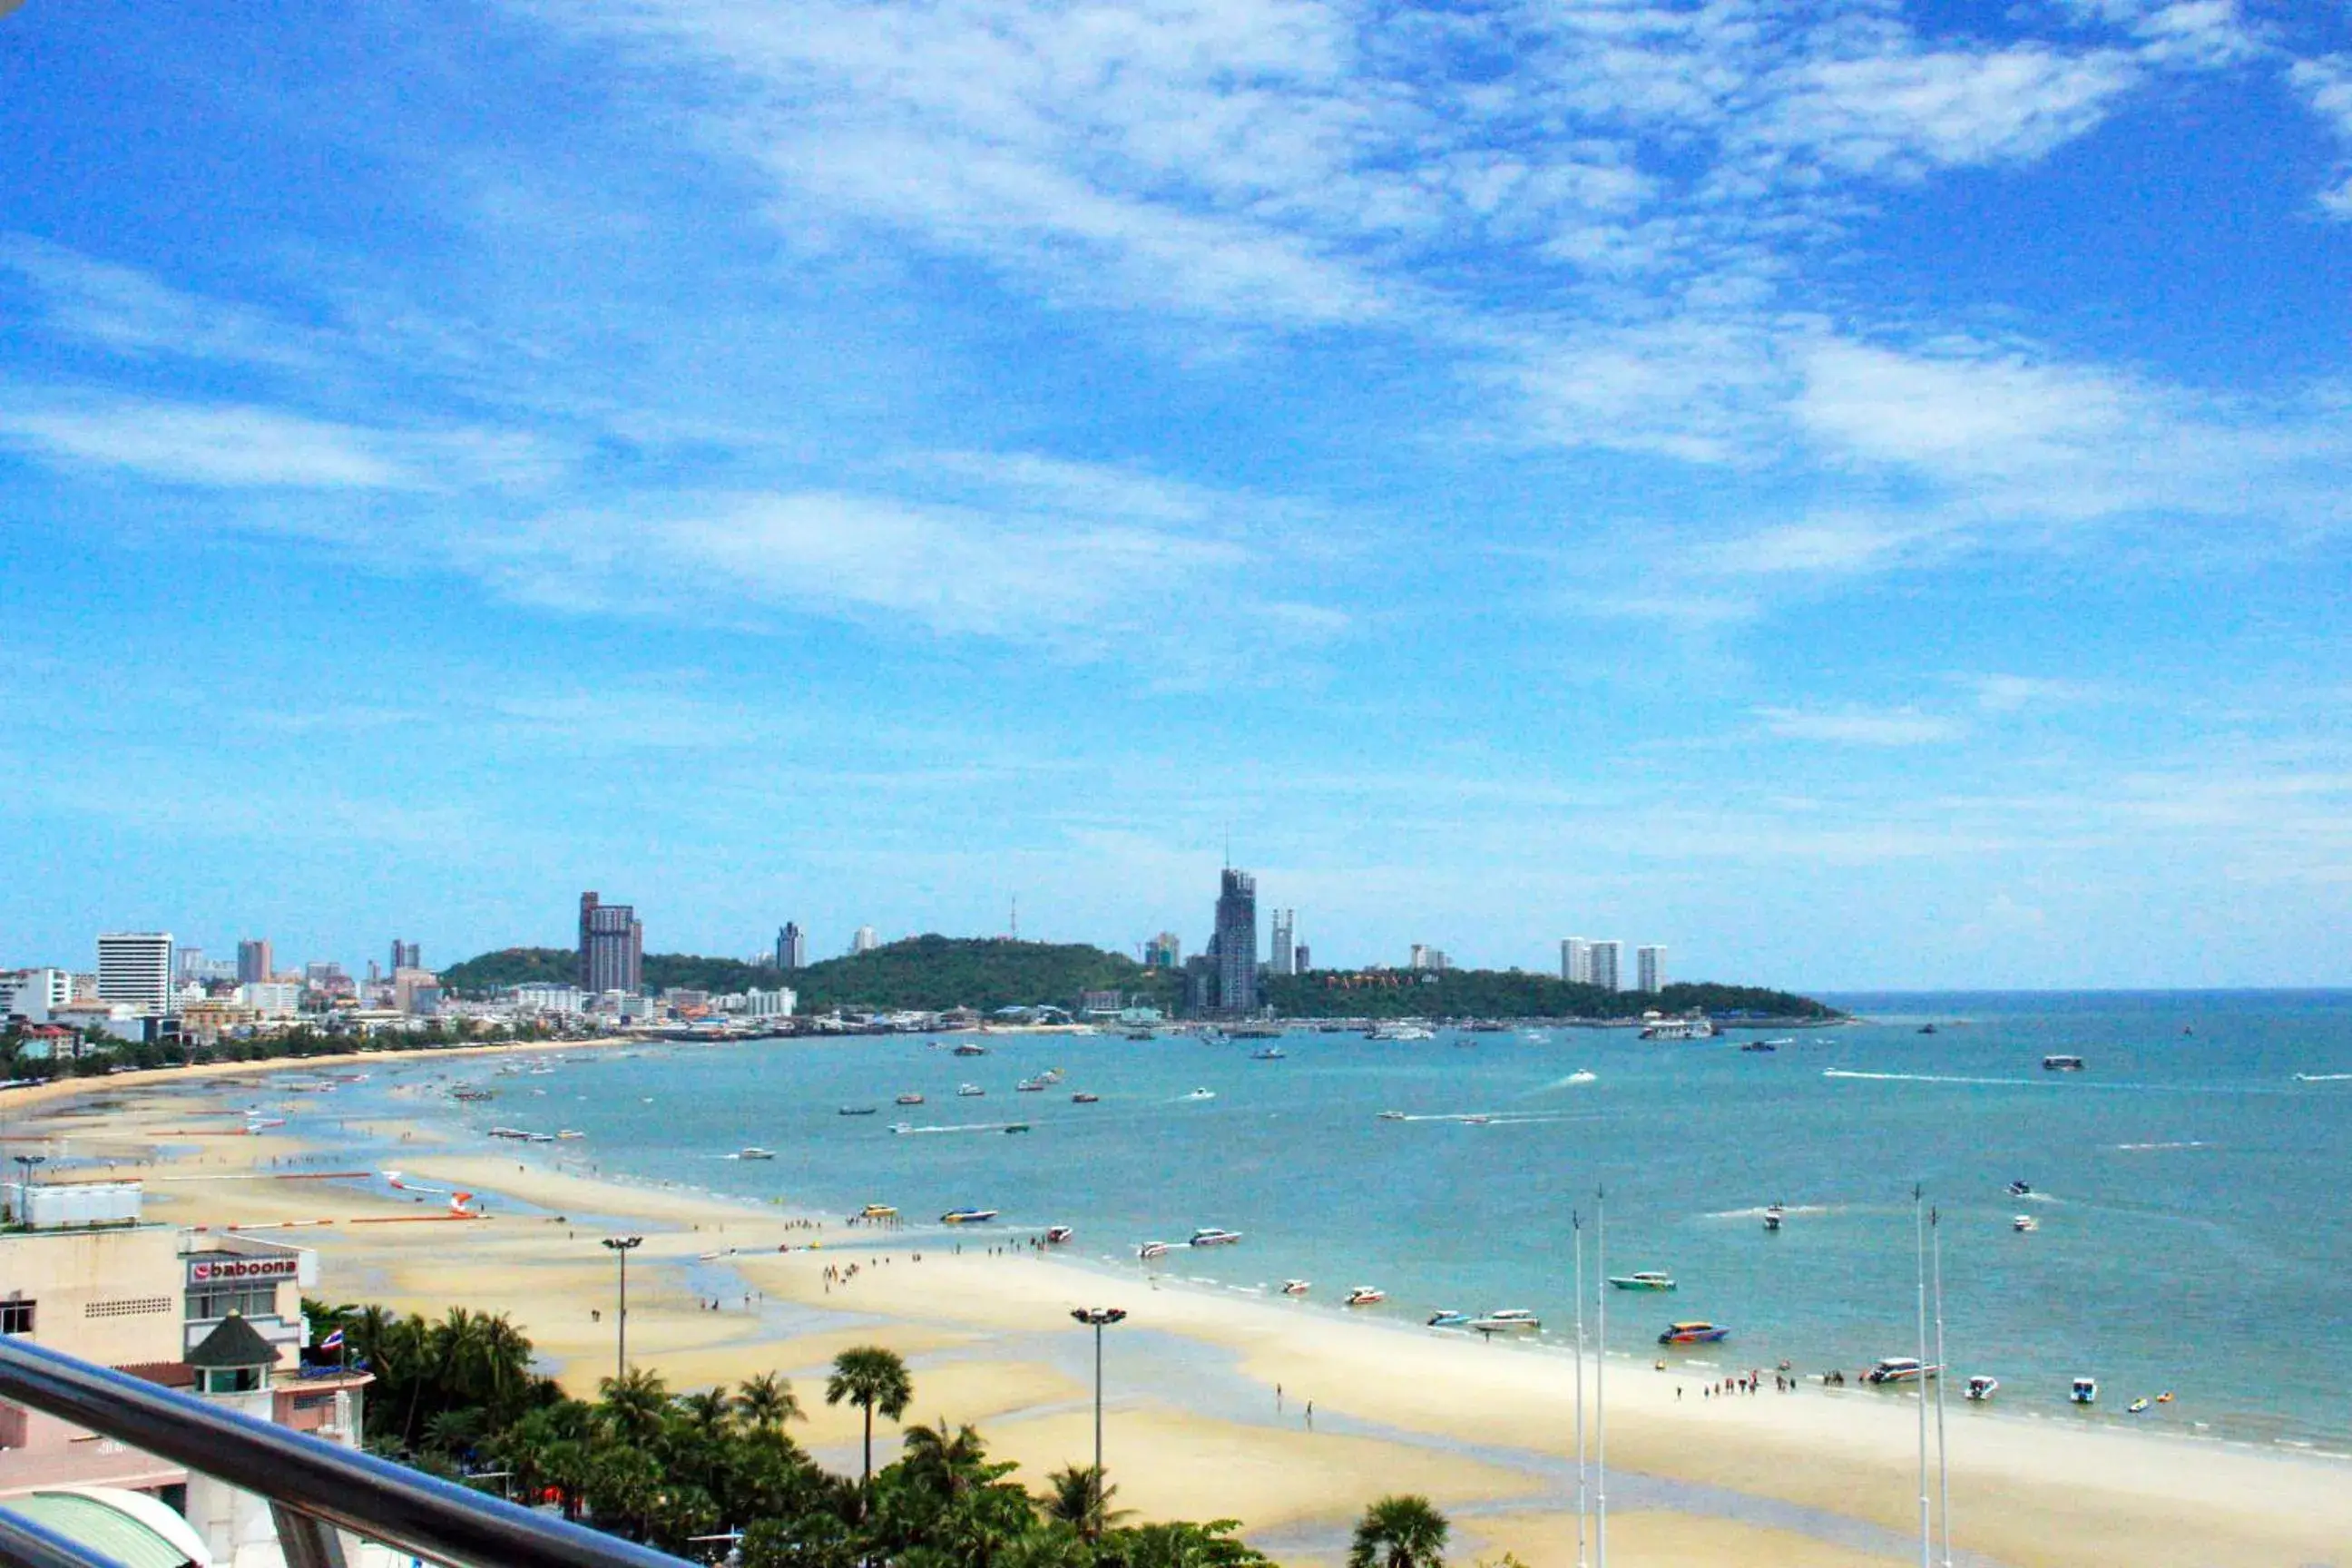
[333,1342]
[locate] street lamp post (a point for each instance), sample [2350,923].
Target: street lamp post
[622,1245]
[1098,1319]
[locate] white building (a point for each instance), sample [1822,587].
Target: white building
[1607,959]
[31,993]
[777,1004]
[272,998]
[566,1000]
[864,940]
[1576,960]
[135,968]
[1650,968]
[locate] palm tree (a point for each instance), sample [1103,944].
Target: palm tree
[767,1401]
[950,1464]
[1400,1533]
[872,1379]
[634,1403]
[1074,1500]
[707,1412]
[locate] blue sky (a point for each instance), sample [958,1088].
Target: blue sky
[1855,492]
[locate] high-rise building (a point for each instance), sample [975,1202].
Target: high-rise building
[29,994]
[135,968]
[1576,960]
[1165,951]
[253,961]
[1279,961]
[864,940]
[1606,959]
[1650,968]
[1236,947]
[407,955]
[1298,960]
[190,961]
[792,947]
[612,947]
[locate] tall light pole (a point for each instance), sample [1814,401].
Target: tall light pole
[1098,1319]
[1600,1380]
[622,1245]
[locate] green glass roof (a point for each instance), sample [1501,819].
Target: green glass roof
[105,1529]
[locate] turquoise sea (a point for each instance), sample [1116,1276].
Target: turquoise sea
[2191,1189]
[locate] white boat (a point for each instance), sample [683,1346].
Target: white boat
[1210,1236]
[1404,1029]
[1056,1234]
[1391,1116]
[1774,1215]
[1900,1369]
[755,1152]
[910,1099]
[1647,1279]
[1697,1028]
[1503,1319]
[970,1090]
[1982,1388]
[1203,1094]
[1366,1296]
[2021,1189]
[2084,1392]
[1152,1249]
[2024,1222]
[1296,1286]
[571,1133]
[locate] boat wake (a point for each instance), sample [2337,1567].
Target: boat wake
[959,1126]
[2140,1148]
[1759,1212]
[2323,1077]
[1926,1078]
[1572,1080]
[1484,1118]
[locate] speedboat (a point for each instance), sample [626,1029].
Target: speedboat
[1269,1054]
[1031,1086]
[878,1211]
[967,1216]
[1083,1098]
[1982,1388]
[970,1050]
[970,1090]
[755,1152]
[1152,1249]
[2084,1392]
[910,1099]
[1296,1286]
[1774,1215]
[859,1110]
[1210,1236]
[1057,1234]
[2062,1064]
[1761,1046]
[1695,1332]
[1448,1318]
[571,1133]
[1366,1296]
[1900,1369]
[2137,1406]
[2020,1189]
[2023,1223]
[1391,1116]
[1648,1279]
[1017,1127]
[1203,1094]
[1503,1319]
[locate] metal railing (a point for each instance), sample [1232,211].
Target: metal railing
[314,1489]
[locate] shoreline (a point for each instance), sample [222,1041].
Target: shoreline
[1484,1428]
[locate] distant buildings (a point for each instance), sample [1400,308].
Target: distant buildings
[1606,958]
[1281,959]
[1299,963]
[1576,960]
[1236,943]
[792,947]
[32,994]
[134,968]
[407,955]
[1431,958]
[864,940]
[253,961]
[1650,969]
[1165,951]
[612,947]
[777,1004]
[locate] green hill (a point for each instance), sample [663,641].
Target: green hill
[1497,993]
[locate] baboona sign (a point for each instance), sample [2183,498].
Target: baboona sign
[221,1269]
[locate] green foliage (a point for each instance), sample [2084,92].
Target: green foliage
[934,973]
[1497,993]
[1401,1531]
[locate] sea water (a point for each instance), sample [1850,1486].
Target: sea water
[2191,1192]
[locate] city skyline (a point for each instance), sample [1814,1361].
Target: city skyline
[1886,459]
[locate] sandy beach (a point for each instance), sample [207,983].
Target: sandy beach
[1816,1478]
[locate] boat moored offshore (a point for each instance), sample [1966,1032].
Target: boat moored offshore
[2062,1064]
[1647,1279]
[967,1216]
[1900,1369]
[1507,1320]
[1694,1332]
[1210,1236]
[1981,1388]
[1366,1296]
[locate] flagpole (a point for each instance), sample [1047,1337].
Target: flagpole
[1601,1383]
[1576,1223]
[1919,1246]
[1942,1459]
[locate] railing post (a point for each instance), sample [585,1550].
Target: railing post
[308,1543]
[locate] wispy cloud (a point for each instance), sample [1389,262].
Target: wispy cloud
[1857,726]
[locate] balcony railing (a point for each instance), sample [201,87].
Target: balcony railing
[314,1489]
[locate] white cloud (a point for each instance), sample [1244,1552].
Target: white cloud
[1856,727]
[132,312]
[2326,84]
[2018,693]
